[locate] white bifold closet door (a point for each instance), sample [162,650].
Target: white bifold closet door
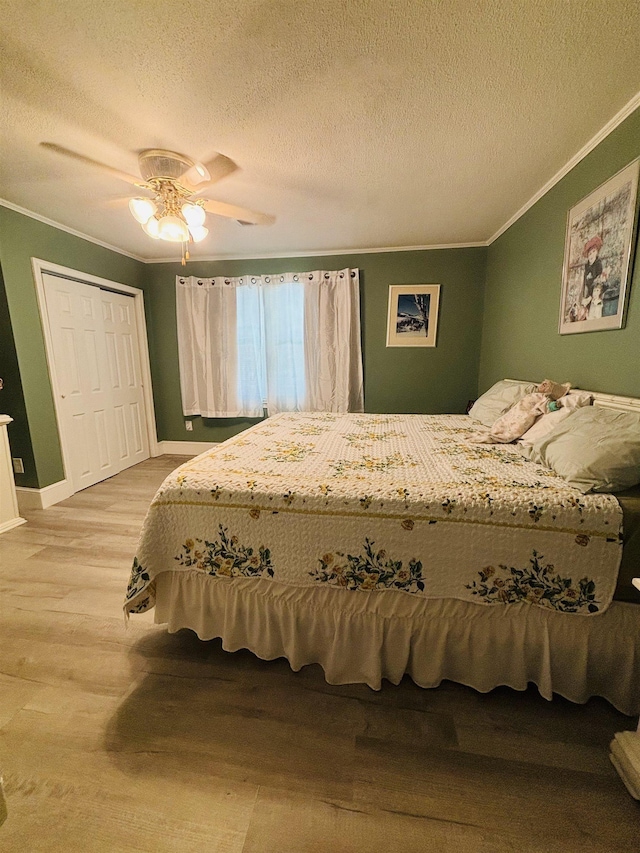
[98,379]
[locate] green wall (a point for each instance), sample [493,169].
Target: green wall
[522,294]
[22,238]
[12,396]
[414,379]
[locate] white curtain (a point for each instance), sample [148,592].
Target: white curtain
[286,342]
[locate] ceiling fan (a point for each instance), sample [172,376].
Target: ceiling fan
[175,213]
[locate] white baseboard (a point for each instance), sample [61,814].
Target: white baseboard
[625,757]
[185,448]
[9,525]
[43,498]
[29,499]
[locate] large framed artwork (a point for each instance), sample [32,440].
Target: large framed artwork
[412,320]
[597,255]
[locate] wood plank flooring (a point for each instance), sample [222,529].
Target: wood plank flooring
[115,739]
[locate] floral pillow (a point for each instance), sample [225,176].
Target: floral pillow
[518,419]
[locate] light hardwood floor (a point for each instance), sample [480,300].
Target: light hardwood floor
[136,740]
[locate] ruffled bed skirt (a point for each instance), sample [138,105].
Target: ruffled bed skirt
[359,637]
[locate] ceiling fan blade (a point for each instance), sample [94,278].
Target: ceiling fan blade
[66,152]
[231,211]
[217,168]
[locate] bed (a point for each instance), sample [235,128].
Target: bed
[379,545]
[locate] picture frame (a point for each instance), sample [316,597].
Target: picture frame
[412,318]
[596,272]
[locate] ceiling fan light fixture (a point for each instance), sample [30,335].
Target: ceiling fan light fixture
[174,213]
[198,233]
[194,215]
[142,209]
[173,229]
[152,228]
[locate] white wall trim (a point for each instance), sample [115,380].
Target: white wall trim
[32,215]
[185,448]
[41,267]
[609,127]
[29,499]
[323,253]
[9,525]
[235,257]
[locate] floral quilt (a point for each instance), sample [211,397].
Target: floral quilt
[391,504]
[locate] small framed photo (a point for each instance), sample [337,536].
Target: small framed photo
[597,256]
[412,320]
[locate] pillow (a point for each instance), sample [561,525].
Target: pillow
[577,398]
[594,450]
[518,418]
[499,399]
[549,421]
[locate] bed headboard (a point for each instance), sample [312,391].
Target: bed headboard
[607,401]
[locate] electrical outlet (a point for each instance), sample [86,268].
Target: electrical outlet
[18,465]
[188,425]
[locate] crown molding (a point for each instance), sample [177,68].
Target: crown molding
[608,128]
[236,257]
[32,215]
[321,253]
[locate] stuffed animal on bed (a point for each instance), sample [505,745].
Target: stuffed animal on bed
[523,414]
[553,390]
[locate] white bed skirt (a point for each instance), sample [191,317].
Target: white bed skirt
[361,637]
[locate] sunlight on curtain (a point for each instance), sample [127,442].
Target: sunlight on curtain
[251,373]
[284,346]
[289,342]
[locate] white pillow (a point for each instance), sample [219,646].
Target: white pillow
[499,399]
[594,450]
[570,402]
[576,399]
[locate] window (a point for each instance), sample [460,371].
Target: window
[289,342]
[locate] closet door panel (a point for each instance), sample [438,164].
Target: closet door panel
[125,376]
[82,377]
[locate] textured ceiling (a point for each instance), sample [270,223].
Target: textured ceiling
[357,123]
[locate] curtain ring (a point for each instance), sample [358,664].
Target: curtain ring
[267,279]
[295,278]
[326,275]
[310,276]
[227,281]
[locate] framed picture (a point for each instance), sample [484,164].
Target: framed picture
[412,320]
[597,256]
